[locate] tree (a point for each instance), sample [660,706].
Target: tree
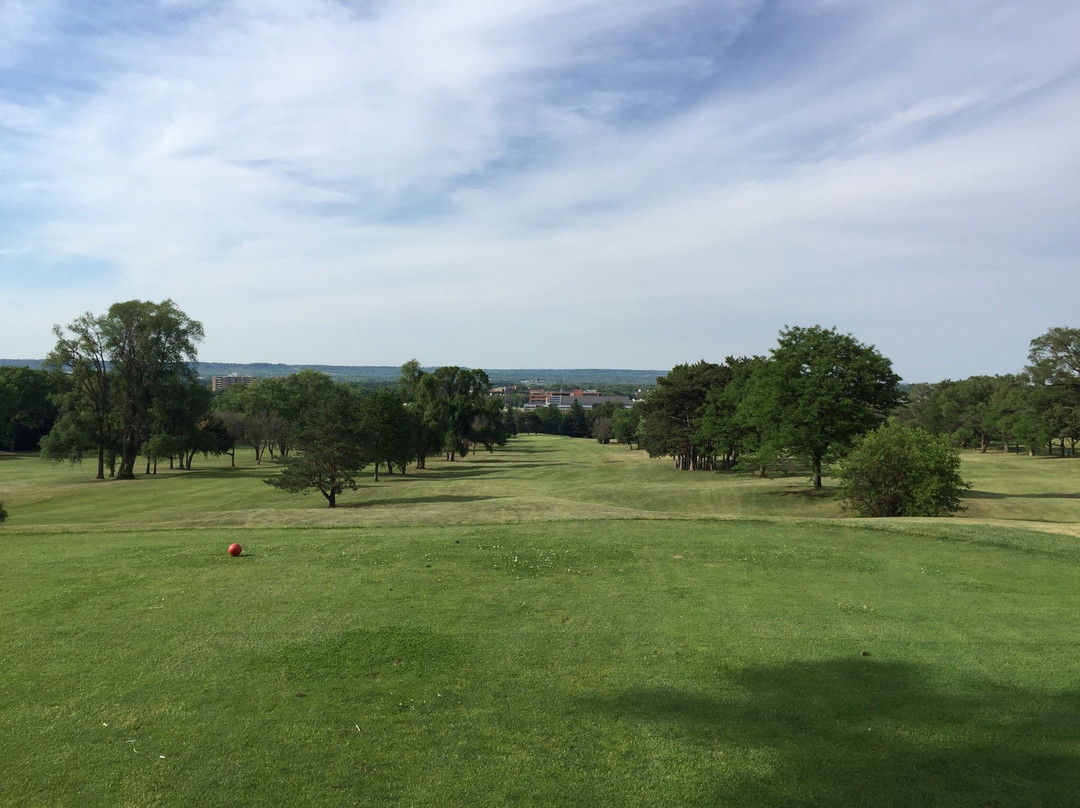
[150,346]
[80,361]
[449,401]
[624,424]
[179,412]
[329,448]
[719,425]
[489,425]
[233,425]
[897,471]
[968,408]
[387,431]
[671,414]
[27,411]
[818,391]
[1054,364]
[601,430]
[574,424]
[1055,357]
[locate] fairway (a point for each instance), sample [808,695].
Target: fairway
[558,623]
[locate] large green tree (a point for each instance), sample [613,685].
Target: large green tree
[819,390]
[151,348]
[329,447]
[720,426]
[387,430]
[454,410]
[86,402]
[672,411]
[1054,364]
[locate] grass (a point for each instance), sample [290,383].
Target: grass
[557,624]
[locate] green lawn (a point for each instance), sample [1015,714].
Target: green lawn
[559,623]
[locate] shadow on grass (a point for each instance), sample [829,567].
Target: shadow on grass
[860,732]
[999,495]
[528,448]
[813,494]
[412,501]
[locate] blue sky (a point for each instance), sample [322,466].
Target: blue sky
[532,183]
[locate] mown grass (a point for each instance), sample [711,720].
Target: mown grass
[549,625]
[535,478]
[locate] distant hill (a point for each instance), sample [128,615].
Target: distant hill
[530,377]
[589,378]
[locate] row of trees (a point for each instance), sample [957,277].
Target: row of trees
[1039,407]
[818,390]
[127,384]
[124,384]
[815,392]
[327,432]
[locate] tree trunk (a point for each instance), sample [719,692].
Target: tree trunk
[816,459]
[127,467]
[376,472]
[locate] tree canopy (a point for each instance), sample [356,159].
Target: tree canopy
[818,391]
[330,447]
[127,373]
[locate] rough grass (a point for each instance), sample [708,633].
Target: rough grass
[551,625]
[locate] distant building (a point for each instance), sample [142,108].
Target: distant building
[219,383]
[564,399]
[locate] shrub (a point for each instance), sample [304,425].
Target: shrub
[897,471]
[3,514]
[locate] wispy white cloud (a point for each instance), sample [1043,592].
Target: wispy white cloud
[589,182]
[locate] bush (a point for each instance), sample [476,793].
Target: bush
[3,514]
[897,471]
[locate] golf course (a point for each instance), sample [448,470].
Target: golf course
[556,623]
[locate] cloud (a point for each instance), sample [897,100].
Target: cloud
[590,182]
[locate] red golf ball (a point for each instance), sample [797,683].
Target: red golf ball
[235,549]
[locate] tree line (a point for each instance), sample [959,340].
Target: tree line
[1038,408]
[818,391]
[124,385]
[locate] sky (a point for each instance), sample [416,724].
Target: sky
[545,183]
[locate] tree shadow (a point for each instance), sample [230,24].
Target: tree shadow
[861,732]
[813,494]
[461,472]
[973,494]
[413,501]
